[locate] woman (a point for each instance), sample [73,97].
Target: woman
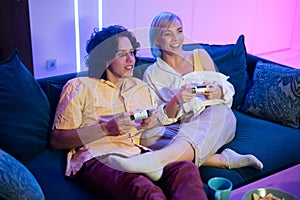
[204,121]
[92,120]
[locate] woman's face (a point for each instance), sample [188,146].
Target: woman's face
[123,63]
[171,38]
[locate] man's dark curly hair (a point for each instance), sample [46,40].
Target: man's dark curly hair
[103,46]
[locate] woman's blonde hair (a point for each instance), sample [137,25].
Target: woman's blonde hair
[160,21]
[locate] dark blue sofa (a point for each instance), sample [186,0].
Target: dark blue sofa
[275,142]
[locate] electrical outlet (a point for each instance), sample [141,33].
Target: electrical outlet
[51,64]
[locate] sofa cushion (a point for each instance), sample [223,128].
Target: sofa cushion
[24,113]
[275,94]
[48,167]
[261,138]
[230,59]
[142,63]
[16,182]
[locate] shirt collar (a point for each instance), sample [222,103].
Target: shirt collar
[164,66]
[109,83]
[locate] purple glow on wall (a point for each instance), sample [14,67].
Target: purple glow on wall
[268,27]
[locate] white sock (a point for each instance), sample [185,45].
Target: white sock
[236,160]
[145,163]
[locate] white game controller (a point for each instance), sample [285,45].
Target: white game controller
[200,89]
[140,114]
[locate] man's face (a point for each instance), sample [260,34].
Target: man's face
[123,63]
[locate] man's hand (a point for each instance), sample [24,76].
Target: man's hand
[119,124]
[152,121]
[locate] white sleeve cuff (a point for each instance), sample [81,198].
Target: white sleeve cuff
[163,118]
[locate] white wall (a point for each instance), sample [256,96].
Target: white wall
[53,33]
[268,25]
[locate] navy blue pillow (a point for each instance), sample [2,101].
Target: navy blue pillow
[54,89]
[231,60]
[275,94]
[25,110]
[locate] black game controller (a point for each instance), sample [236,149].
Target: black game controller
[140,114]
[200,89]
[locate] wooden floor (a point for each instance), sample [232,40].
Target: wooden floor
[289,57]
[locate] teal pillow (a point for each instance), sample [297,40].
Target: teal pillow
[231,60]
[16,182]
[275,94]
[25,110]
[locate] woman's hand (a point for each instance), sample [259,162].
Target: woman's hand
[185,95]
[213,92]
